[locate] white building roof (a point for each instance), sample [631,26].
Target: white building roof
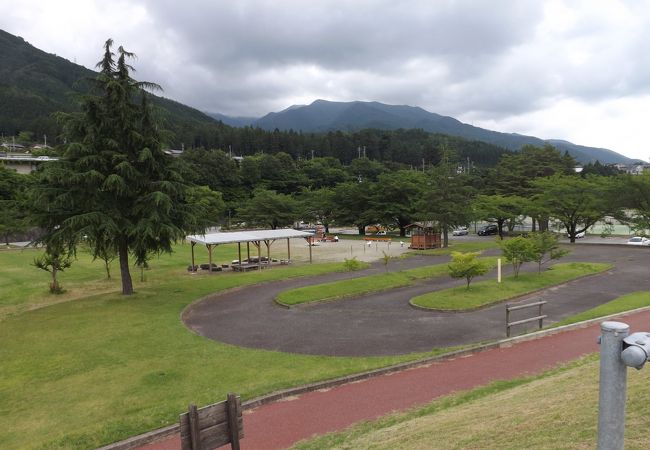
[246,236]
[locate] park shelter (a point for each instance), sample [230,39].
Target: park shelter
[256,237]
[424,235]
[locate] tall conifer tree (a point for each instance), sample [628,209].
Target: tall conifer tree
[114,185]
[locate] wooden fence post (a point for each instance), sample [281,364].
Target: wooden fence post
[233,421]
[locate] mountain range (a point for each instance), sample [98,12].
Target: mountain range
[34,84]
[323,116]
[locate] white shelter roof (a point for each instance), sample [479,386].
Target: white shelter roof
[246,236]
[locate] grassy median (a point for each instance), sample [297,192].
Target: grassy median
[365,285]
[488,292]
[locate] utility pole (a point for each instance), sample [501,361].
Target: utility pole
[359,151]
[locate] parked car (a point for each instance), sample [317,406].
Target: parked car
[488,230]
[638,240]
[578,235]
[460,231]
[381,233]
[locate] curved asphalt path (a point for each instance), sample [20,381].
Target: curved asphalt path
[385,324]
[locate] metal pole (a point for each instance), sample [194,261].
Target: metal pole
[613,381]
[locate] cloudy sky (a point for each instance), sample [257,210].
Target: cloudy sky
[574,70]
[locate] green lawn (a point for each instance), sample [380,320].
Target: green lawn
[555,410]
[624,303]
[101,367]
[487,292]
[365,285]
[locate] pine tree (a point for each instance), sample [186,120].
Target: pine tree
[114,184]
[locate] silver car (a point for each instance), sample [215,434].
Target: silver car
[460,231]
[638,240]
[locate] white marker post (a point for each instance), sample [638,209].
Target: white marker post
[498,270]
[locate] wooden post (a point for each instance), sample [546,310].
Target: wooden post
[210,256]
[193,265]
[310,251]
[541,317]
[288,250]
[232,421]
[507,320]
[259,256]
[248,252]
[498,270]
[239,250]
[193,416]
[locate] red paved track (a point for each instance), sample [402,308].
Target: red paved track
[280,424]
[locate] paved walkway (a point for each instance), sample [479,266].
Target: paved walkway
[385,324]
[281,424]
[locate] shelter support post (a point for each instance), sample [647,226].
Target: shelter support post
[210,256]
[192,244]
[248,251]
[288,250]
[239,252]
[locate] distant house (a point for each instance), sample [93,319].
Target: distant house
[633,169]
[172,152]
[11,146]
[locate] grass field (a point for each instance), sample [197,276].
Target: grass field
[91,367]
[94,367]
[365,285]
[624,303]
[556,410]
[487,292]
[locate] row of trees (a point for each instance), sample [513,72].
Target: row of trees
[117,192]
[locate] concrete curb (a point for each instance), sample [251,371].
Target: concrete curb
[163,433]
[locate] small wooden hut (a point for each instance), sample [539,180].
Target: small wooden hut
[424,235]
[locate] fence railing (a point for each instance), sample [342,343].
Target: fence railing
[539,317]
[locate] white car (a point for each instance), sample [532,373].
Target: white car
[460,231]
[638,240]
[380,233]
[578,235]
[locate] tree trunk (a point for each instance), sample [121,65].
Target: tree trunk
[532,228]
[402,231]
[327,227]
[362,230]
[108,270]
[445,236]
[543,224]
[127,283]
[54,288]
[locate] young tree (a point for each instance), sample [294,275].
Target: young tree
[545,248]
[54,260]
[517,251]
[466,265]
[114,182]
